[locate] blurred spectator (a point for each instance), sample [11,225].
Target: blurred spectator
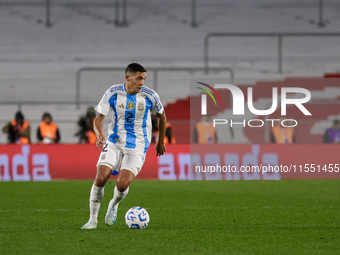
[282,135]
[154,123]
[48,132]
[205,132]
[18,130]
[85,124]
[169,137]
[332,135]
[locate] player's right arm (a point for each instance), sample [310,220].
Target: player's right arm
[102,110]
[98,129]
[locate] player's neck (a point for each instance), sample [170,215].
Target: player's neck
[127,89]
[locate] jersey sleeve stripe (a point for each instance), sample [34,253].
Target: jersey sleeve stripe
[113,89]
[151,93]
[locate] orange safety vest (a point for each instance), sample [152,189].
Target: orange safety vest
[283,135]
[48,130]
[91,137]
[166,139]
[25,125]
[206,133]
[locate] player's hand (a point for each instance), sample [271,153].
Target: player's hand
[100,141]
[160,148]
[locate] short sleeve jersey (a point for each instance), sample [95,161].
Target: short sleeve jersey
[130,125]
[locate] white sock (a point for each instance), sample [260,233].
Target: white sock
[96,197]
[118,196]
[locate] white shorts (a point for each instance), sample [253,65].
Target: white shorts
[117,158]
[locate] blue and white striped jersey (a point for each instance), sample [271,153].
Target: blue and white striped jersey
[130,126]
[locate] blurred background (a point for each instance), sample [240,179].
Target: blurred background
[60,56]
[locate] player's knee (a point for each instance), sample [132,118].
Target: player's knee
[124,179]
[100,181]
[102,176]
[122,186]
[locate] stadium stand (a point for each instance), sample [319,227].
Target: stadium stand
[324,105]
[39,64]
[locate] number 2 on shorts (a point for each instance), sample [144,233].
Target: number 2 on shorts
[104,147]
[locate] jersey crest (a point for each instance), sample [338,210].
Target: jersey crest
[140,106]
[131,106]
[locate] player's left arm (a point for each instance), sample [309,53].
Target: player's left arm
[160,146]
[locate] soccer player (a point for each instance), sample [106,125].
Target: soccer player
[128,139]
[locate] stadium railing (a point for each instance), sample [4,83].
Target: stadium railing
[279,41]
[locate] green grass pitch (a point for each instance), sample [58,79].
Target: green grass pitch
[186,217]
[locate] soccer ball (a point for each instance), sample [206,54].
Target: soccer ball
[137,217]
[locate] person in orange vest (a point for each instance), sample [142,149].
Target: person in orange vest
[282,135]
[168,138]
[48,132]
[85,123]
[90,134]
[18,130]
[205,132]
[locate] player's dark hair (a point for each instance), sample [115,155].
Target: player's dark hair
[134,68]
[336,122]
